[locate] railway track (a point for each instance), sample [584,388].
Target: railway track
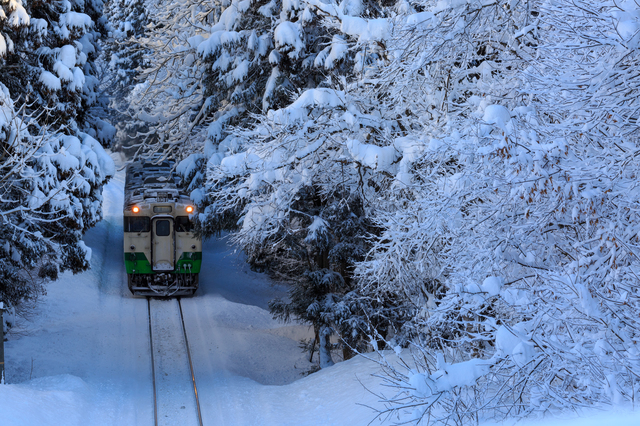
[175,392]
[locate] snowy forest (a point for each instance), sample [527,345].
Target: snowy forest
[455,179]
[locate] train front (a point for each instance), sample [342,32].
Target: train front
[162,254]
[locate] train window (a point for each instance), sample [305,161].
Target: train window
[163,228]
[136,224]
[183,224]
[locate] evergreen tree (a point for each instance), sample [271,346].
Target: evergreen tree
[50,63]
[125,56]
[53,167]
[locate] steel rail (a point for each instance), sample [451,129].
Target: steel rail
[153,367]
[193,376]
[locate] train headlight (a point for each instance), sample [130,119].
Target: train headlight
[189,209]
[135,209]
[133,247]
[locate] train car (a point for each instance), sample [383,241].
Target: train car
[162,255]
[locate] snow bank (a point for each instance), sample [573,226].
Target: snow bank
[49,401]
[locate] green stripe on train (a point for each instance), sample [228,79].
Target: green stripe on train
[137,263]
[189,258]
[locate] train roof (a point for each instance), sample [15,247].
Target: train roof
[152,182]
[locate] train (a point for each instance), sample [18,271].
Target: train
[162,253]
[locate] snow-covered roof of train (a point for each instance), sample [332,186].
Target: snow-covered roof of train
[150,182]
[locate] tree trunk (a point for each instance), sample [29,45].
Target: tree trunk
[324,348]
[347,352]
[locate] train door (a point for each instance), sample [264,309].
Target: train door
[163,250]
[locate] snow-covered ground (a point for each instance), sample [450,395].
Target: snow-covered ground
[82,357]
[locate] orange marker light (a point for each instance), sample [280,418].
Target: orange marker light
[135,209]
[189,209]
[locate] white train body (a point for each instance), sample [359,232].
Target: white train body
[162,254]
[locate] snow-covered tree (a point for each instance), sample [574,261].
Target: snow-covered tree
[513,232]
[51,193]
[303,189]
[492,144]
[53,167]
[300,193]
[454,175]
[51,48]
[125,57]
[214,65]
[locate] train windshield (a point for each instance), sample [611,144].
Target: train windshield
[183,224]
[163,228]
[136,224]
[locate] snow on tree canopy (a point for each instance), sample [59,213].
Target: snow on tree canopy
[237,164]
[107,167]
[421,19]
[339,49]
[480,138]
[69,155]
[61,176]
[351,7]
[19,16]
[492,285]
[318,227]
[67,55]
[256,216]
[39,26]
[76,20]
[3,46]
[366,29]
[50,81]
[298,110]
[288,38]
[63,71]
[514,341]
[12,128]
[497,115]
[216,40]
[195,41]
[78,82]
[87,48]
[373,156]
[448,377]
